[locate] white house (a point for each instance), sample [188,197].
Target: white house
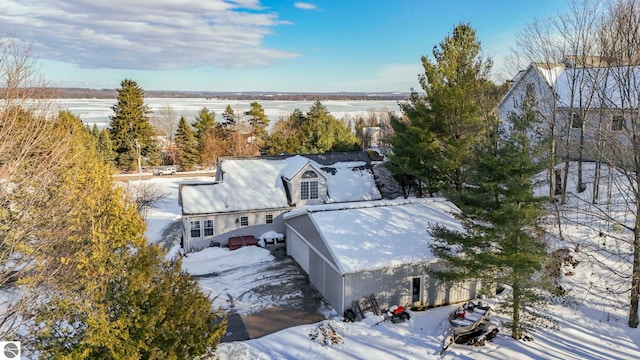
[349,240]
[250,194]
[595,102]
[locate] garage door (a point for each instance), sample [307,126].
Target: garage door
[298,250]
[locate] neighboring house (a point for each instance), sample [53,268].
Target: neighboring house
[250,194]
[371,138]
[538,81]
[590,104]
[379,247]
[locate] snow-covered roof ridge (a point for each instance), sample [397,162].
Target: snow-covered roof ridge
[255,183]
[296,164]
[361,205]
[549,71]
[599,87]
[381,234]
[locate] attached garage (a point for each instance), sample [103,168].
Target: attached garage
[380,247]
[298,249]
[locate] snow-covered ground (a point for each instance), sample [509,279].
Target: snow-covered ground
[590,322]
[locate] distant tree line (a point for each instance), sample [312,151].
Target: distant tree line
[86,93]
[136,139]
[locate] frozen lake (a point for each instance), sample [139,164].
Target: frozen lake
[97,111]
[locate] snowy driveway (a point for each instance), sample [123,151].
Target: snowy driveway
[266,288]
[262,288]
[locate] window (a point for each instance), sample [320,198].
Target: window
[313,191]
[576,121]
[309,185]
[208,228]
[617,123]
[195,229]
[244,221]
[268,219]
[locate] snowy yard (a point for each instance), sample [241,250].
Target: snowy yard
[590,322]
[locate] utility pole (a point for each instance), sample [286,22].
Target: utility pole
[139,161]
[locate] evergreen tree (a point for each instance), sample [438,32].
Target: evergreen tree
[105,292]
[259,123]
[449,119]
[417,150]
[285,137]
[130,128]
[94,131]
[105,147]
[205,125]
[187,145]
[228,116]
[204,122]
[314,133]
[321,132]
[502,242]
[343,138]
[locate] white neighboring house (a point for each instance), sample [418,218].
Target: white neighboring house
[601,97]
[250,194]
[536,80]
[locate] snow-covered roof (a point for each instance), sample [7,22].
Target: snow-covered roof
[609,87]
[349,181]
[599,87]
[256,183]
[294,165]
[248,184]
[377,234]
[550,72]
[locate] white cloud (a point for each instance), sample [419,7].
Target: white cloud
[146,34]
[304,6]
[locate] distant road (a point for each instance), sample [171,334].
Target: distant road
[182,174]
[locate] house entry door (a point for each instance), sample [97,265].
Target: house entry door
[416,290]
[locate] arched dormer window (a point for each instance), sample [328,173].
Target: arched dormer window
[309,185]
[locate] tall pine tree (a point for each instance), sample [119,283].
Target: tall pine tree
[259,123]
[130,129]
[205,131]
[187,145]
[229,117]
[448,120]
[502,242]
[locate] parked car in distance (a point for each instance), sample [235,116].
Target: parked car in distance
[166,170]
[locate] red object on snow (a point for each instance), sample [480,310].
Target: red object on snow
[237,242]
[398,310]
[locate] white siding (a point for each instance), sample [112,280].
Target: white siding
[298,250]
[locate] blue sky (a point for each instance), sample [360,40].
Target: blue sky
[252,45]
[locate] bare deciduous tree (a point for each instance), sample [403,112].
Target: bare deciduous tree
[165,122]
[145,195]
[599,44]
[620,36]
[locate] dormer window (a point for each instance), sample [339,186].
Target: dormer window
[309,185]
